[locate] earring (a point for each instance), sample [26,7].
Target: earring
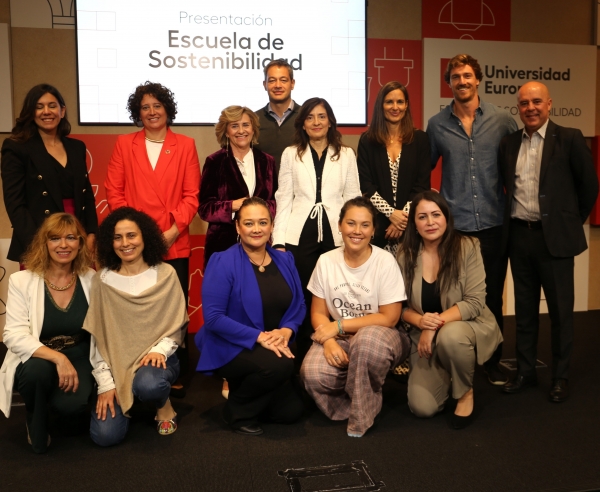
[340,233]
[237,239]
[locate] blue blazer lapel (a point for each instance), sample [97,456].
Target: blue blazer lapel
[250,293]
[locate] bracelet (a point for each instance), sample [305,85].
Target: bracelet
[340,329]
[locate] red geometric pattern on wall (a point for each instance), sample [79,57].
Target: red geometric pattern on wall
[466,19]
[392,59]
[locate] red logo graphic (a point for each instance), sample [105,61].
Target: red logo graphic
[466,19]
[387,60]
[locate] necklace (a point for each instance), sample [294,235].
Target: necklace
[55,287]
[155,141]
[261,268]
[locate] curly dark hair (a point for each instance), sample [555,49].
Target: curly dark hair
[460,60]
[25,126]
[154,242]
[334,137]
[154,89]
[359,201]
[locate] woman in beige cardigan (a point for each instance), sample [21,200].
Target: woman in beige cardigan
[451,327]
[137,317]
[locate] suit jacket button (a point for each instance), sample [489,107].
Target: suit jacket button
[40,177]
[83,208]
[84,190]
[47,212]
[44,193]
[86,175]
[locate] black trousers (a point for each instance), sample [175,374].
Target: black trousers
[260,387]
[495,263]
[37,382]
[533,267]
[306,255]
[182,268]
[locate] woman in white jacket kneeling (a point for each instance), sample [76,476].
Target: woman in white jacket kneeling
[48,358]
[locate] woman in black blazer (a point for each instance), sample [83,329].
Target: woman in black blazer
[393,163]
[43,171]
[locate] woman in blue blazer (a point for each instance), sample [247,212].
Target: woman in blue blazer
[253,305]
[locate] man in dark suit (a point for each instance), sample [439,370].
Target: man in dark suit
[551,187]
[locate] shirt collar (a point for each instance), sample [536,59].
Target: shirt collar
[479,109]
[248,159]
[288,110]
[541,130]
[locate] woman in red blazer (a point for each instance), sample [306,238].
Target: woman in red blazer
[157,171]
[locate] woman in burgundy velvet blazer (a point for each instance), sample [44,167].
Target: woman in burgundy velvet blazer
[230,175]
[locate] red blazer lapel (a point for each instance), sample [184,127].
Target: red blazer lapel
[143,166]
[166,156]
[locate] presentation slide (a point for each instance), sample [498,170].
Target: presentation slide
[212,54]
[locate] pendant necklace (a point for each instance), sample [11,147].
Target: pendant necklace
[261,268]
[55,287]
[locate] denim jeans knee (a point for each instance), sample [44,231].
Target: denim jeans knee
[153,384]
[110,431]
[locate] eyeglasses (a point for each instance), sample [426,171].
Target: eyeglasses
[69,238]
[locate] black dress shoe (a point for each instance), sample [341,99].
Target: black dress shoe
[519,383]
[559,391]
[249,430]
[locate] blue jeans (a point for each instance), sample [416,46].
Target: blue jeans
[150,384]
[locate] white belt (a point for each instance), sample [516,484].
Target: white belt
[317,212]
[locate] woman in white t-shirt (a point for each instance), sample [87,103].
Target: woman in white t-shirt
[361,288]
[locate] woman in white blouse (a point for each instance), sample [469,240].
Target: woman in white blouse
[317,175]
[137,312]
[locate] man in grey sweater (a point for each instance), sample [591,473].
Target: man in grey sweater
[278,116]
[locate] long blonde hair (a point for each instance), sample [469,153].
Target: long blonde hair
[37,257]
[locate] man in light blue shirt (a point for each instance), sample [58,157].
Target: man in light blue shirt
[466,134]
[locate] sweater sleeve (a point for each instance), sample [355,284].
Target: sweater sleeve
[186,209]
[115,179]
[14,177]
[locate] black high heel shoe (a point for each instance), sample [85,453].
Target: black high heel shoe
[457,422]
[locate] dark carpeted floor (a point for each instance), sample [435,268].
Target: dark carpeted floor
[518,442]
